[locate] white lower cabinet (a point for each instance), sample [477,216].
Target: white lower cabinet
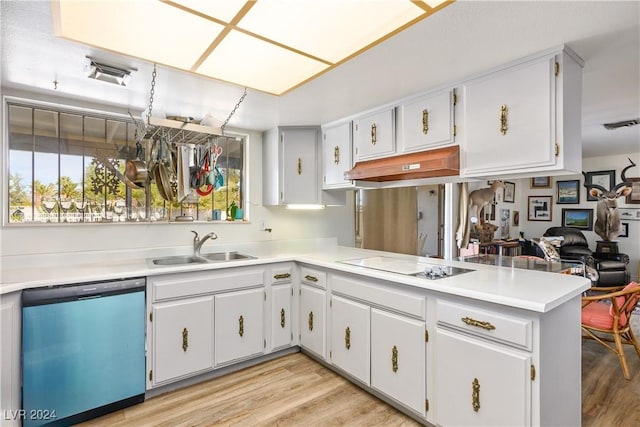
[480,383]
[281,320]
[398,358]
[182,338]
[10,337]
[313,335]
[350,337]
[239,327]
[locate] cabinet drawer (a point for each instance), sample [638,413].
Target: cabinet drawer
[313,277]
[282,274]
[403,301]
[496,326]
[181,285]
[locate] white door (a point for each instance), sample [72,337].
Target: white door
[350,337]
[398,358]
[299,165]
[480,384]
[312,320]
[182,338]
[239,327]
[510,119]
[336,155]
[427,122]
[281,316]
[374,135]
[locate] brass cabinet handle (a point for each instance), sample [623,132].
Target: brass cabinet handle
[241,326]
[311,278]
[185,339]
[347,338]
[473,322]
[374,134]
[475,395]
[299,166]
[336,155]
[425,121]
[504,111]
[310,321]
[394,359]
[281,276]
[282,317]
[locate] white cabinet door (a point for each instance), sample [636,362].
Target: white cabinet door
[427,122]
[480,384]
[182,338]
[350,337]
[281,316]
[398,358]
[336,155]
[239,325]
[313,334]
[510,119]
[10,334]
[299,167]
[374,135]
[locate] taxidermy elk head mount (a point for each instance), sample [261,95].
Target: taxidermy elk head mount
[607,223]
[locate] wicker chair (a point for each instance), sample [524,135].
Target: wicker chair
[606,318]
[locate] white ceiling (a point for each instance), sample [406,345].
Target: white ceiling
[465,38]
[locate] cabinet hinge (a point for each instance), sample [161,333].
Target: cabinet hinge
[265,295]
[300,292]
[324,178]
[455,99]
[324,136]
[281,196]
[151,317]
[455,130]
[557,70]
[533,372]
[557,150]
[426,405]
[151,375]
[291,336]
[330,354]
[281,138]
[331,303]
[426,336]
[264,345]
[291,291]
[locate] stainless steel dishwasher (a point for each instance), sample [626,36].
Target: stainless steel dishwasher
[83,350]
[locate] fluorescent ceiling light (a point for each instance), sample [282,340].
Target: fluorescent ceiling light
[305,207]
[272,46]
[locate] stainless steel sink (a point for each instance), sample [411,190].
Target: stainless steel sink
[203,259]
[226,256]
[178,260]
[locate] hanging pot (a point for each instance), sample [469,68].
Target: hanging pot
[136,170]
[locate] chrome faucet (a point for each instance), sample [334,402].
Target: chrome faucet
[198,242]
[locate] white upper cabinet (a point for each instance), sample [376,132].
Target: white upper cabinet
[337,157]
[524,119]
[427,122]
[374,135]
[291,168]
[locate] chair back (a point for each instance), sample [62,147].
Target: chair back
[626,303]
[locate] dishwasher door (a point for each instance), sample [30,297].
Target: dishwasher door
[83,350]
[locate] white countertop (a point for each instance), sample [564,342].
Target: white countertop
[530,290]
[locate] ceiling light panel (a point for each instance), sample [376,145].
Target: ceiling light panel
[251,62]
[223,10]
[329,30]
[145,29]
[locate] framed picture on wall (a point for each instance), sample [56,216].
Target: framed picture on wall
[509,191]
[604,179]
[541,182]
[627,214]
[539,208]
[634,197]
[568,192]
[578,218]
[624,229]
[516,218]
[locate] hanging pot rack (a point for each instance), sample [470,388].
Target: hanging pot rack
[183,131]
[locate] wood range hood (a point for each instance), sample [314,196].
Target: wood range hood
[425,164]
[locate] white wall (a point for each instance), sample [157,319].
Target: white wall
[334,221]
[629,245]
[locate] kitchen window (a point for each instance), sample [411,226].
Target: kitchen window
[68,166]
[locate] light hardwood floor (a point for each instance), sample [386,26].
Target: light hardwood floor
[296,391]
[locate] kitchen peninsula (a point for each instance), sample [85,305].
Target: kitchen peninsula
[479,347]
